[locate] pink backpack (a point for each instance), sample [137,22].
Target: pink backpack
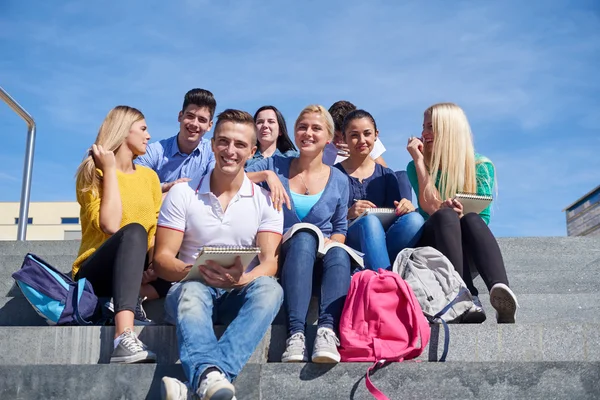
[381,322]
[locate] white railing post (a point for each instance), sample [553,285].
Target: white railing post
[28,167]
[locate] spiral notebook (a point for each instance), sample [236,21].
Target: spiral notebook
[224,255]
[386,216]
[472,202]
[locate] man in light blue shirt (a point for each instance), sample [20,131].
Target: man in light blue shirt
[186,155]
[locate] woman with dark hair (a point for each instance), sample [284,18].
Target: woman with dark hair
[373,185]
[271,134]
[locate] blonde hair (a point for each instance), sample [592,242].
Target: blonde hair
[453,154]
[112,134]
[322,111]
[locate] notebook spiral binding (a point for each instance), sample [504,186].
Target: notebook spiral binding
[229,250]
[473,196]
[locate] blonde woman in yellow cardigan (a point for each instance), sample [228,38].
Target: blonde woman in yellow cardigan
[119,203]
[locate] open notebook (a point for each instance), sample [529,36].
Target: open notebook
[473,203]
[387,216]
[224,255]
[355,256]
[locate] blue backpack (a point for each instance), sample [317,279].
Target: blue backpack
[54,295]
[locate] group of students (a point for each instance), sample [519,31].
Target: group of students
[146,209]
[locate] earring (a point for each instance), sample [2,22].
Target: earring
[327,142]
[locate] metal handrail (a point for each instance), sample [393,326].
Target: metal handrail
[28,168]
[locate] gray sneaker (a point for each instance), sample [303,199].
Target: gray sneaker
[174,389]
[325,349]
[215,386]
[505,302]
[131,350]
[295,349]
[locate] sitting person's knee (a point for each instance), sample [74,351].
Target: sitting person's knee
[445,215]
[414,220]
[269,289]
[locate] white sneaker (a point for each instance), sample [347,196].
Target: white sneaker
[215,386]
[174,389]
[325,348]
[505,302]
[295,349]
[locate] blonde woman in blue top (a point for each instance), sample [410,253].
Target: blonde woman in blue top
[318,195]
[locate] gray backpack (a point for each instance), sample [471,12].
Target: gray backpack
[440,290]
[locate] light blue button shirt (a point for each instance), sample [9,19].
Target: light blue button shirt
[170,164]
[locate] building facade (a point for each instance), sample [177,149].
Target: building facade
[583,216]
[47,220]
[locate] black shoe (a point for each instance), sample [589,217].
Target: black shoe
[475,315]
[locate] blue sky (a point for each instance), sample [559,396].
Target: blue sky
[526,74]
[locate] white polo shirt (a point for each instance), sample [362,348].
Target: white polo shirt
[194,210]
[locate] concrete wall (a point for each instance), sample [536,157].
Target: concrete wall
[46,220]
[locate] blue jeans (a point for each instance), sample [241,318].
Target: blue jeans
[380,247]
[300,266]
[194,307]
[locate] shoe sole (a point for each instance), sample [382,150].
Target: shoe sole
[505,303]
[325,357]
[138,358]
[223,393]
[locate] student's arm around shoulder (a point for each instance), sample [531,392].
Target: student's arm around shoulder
[265,171]
[170,232]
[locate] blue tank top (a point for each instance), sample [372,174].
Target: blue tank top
[303,203]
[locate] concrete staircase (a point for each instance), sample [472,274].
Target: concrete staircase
[553,352]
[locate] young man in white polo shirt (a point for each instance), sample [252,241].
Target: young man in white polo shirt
[223,208]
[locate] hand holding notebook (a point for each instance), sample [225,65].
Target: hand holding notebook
[473,203]
[224,256]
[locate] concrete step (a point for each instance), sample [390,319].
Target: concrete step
[408,380]
[523,278]
[468,343]
[535,308]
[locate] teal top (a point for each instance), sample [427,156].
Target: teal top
[484,172]
[303,203]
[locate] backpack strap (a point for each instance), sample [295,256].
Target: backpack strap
[80,288]
[378,394]
[437,318]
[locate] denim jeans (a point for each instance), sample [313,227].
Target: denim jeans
[193,307]
[300,266]
[380,247]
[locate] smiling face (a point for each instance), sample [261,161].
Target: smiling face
[427,133]
[267,127]
[138,137]
[311,134]
[233,145]
[360,136]
[194,122]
